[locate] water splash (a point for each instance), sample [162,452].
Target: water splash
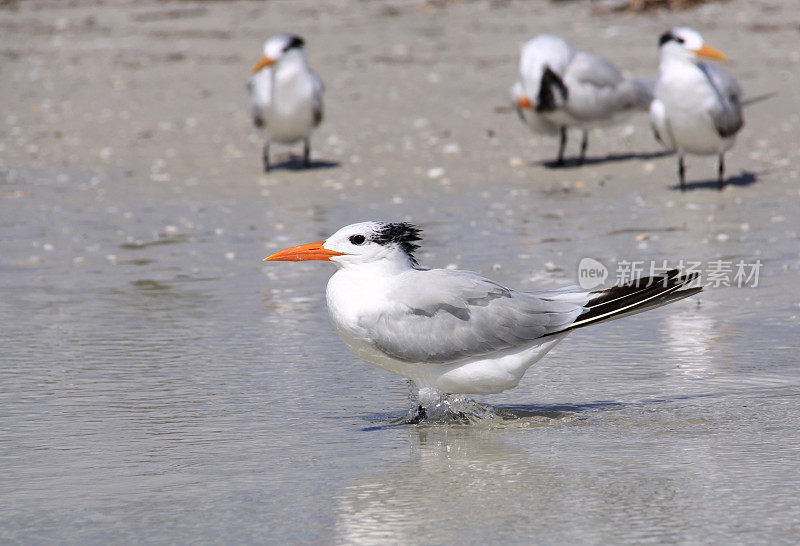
[448,409]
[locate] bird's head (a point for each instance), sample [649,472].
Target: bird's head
[276,48]
[385,243]
[685,43]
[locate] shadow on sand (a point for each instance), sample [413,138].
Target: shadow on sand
[296,163]
[745,178]
[572,162]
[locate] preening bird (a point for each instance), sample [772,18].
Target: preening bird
[697,107]
[559,87]
[452,331]
[285,94]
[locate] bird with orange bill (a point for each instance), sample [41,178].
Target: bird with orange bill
[697,107]
[452,331]
[285,95]
[560,87]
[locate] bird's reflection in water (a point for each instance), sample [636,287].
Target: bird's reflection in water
[453,472]
[690,340]
[477,482]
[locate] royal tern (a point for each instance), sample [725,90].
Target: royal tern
[451,331]
[697,107]
[559,87]
[285,94]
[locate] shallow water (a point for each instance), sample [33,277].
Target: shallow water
[160,384]
[153,389]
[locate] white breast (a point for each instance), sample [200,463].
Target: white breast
[291,113]
[688,98]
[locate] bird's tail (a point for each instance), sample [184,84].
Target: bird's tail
[759,98]
[636,296]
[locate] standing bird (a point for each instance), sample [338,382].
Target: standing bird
[454,331]
[697,107]
[559,87]
[285,94]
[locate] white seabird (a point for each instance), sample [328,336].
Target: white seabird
[559,87]
[697,106]
[452,331]
[285,94]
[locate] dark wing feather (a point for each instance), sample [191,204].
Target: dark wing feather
[727,115]
[319,89]
[637,296]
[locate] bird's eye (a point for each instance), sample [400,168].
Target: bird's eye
[358,239]
[680,40]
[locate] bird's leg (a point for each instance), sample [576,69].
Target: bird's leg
[265,156]
[584,145]
[562,145]
[681,172]
[721,172]
[306,152]
[419,416]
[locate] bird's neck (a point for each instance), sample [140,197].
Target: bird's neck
[671,61]
[293,60]
[376,269]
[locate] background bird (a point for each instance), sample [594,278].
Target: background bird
[697,107]
[559,87]
[452,331]
[285,94]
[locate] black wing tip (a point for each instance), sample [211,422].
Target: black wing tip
[672,277]
[551,86]
[638,295]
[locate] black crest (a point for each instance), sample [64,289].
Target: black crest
[294,42]
[669,37]
[402,233]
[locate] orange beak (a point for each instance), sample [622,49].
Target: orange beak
[524,102]
[263,63]
[710,53]
[311,251]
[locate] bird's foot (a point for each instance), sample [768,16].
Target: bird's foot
[306,153]
[417,416]
[432,407]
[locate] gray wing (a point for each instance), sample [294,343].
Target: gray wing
[659,123]
[319,89]
[727,113]
[598,89]
[644,90]
[259,85]
[594,70]
[445,316]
